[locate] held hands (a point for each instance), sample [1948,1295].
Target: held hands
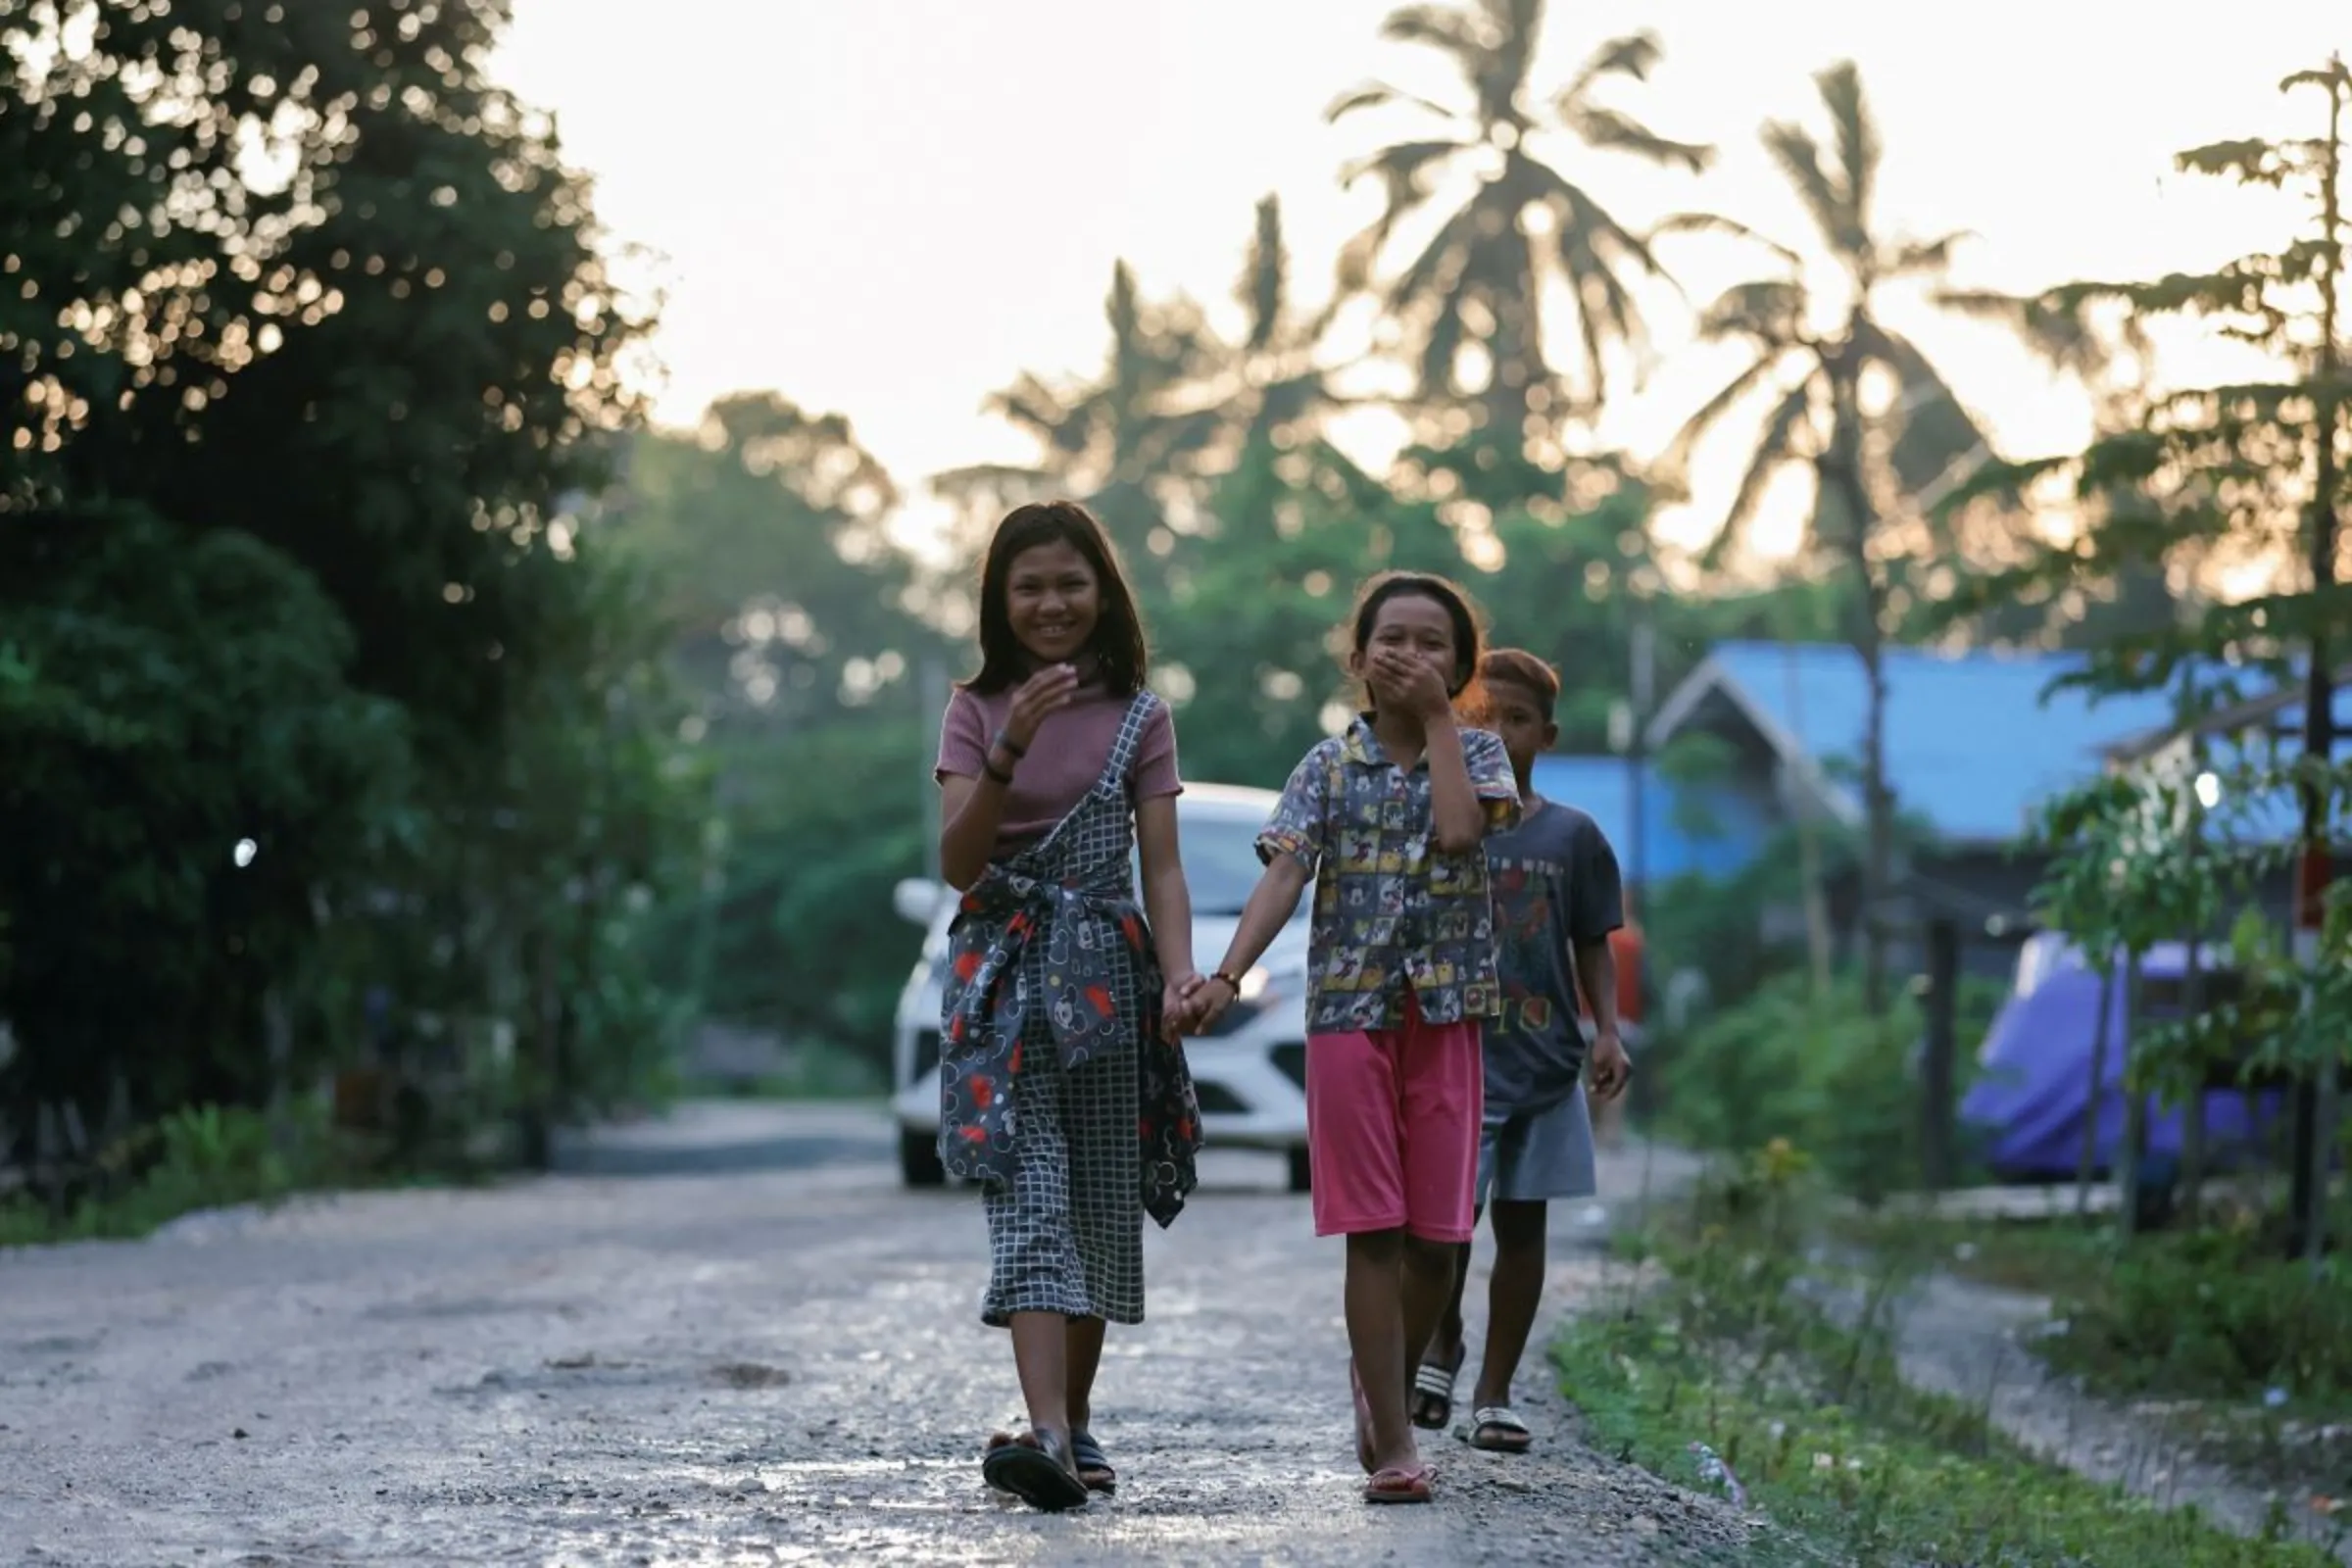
[1210,996]
[1180,1005]
[1192,1004]
[1610,1066]
[1410,683]
[1041,694]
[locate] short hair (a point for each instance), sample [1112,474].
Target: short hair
[1447,595]
[1516,666]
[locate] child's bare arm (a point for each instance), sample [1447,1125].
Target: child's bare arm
[1597,976]
[1458,821]
[1271,904]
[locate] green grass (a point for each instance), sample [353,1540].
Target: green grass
[205,1157]
[2215,1313]
[1852,1465]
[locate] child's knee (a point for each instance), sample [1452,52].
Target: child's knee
[1519,1227]
[1425,1256]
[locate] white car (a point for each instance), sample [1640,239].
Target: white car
[1250,1074]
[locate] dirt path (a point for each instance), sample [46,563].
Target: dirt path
[1972,1343]
[758,1367]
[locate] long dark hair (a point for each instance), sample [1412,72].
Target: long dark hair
[1117,641]
[1450,596]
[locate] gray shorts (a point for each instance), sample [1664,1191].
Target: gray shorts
[1533,1159]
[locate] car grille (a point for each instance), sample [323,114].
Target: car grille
[1218,1100]
[1290,1059]
[1233,1021]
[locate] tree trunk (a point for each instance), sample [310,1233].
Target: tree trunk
[2192,1116]
[1808,839]
[1844,472]
[2134,1153]
[1938,1165]
[2097,1089]
[1509,371]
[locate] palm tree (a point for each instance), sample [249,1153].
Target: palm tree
[1281,388]
[1483,276]
[1177,409]
[1872,468]
[1130,440]
[1283,379]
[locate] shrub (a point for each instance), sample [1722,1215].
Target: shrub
[1821,1073]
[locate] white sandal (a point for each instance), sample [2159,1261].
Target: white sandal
[1497,1429]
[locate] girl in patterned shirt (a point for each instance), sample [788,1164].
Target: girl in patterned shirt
[1388,820]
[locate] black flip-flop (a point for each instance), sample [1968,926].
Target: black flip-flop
[1035,1469]
[1432,1391]
[1094,1469]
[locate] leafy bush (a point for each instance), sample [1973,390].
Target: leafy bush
[198,1157]
[1730,1365]
[1822,1074]
[2216,1312]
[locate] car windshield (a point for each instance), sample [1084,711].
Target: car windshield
[1220,859]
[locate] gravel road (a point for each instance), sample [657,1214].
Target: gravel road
[769,1357]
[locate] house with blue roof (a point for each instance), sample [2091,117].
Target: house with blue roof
[1976,741]
[1667,828]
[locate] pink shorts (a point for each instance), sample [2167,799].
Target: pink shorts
[1392,1128]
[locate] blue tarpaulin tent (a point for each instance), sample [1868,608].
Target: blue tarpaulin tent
[2029,1101]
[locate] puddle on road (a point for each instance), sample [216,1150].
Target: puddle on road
[859,1466]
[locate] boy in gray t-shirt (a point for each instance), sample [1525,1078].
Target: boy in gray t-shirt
[1556,895]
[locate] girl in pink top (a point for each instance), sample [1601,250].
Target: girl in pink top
[1062,1087]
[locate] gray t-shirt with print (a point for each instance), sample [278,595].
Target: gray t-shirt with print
[1555,885]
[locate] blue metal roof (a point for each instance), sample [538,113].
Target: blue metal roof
[1972,745]
[1737,829]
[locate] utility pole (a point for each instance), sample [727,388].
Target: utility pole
[1644,691]
[2314,1099]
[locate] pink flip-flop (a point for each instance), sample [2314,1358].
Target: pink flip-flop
[1401,1485]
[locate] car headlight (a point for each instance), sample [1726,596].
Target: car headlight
[1262,987]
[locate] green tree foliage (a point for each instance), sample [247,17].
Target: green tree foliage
[153,719]
[308,361]
[2200,482]
[311,380]
[768,529]
[795,641]
[2203,480]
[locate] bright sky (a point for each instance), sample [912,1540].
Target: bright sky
[891,207]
